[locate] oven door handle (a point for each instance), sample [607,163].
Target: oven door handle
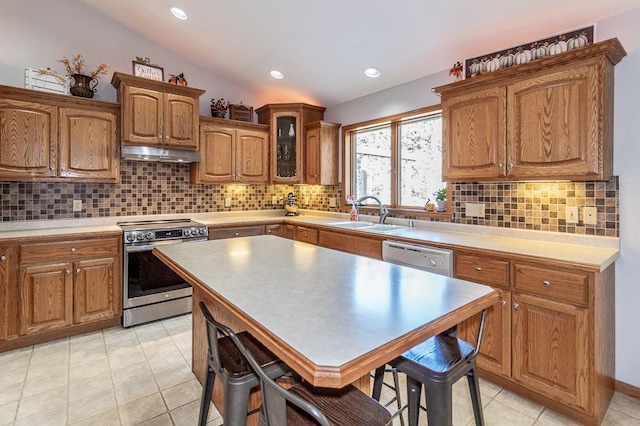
[135,249]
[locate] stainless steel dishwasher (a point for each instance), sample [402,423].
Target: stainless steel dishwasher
[431,259]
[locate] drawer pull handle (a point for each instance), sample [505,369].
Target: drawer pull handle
[516,306]
[546,283]
[479,269]
[503,303]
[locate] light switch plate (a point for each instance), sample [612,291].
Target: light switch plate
[332,202]
[572,214]
[590,216]
[227,202]
[77,205]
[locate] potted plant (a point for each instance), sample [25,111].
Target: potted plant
[441,199]
[84,85]
[219,107]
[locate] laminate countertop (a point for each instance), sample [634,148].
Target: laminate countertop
[336,313]
[589,251]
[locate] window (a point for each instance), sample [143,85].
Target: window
[397,159]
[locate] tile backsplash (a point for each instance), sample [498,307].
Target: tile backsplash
[164,188]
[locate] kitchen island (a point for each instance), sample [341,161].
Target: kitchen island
[331,316]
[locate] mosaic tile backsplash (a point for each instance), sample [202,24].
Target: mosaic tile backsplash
[164,188]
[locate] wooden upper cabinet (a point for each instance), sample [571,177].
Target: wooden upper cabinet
[232,152]
[28,139]
[155,113]
[89,146]
[288,138]
[474,128]
[547,119]
[321,165]
[51,137]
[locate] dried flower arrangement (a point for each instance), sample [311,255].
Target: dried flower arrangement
[77,66]
[219,105]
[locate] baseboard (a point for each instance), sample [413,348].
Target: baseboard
[627,389]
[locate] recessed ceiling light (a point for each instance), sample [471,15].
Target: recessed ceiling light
[178,13]
[276,74]
[372,72]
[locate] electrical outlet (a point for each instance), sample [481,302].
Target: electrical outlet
[474,210]
[332,202]
[77,205]
[306,201]
[227,202]
[572,214]
[274,199]
[590,216]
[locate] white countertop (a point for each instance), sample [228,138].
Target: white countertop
[329,306]
[590,251]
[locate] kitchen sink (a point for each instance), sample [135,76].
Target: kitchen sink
[368,226]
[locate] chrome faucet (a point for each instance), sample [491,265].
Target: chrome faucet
[384,212]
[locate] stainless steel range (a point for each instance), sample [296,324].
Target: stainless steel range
[151,289]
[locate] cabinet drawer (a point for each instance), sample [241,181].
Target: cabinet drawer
[482,269]
[307,235]
[351,244]
[558,284]
[244,231]
[69,250]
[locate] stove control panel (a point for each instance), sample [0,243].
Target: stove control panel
[140,236]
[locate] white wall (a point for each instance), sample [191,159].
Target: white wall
[417,94]
[35,33]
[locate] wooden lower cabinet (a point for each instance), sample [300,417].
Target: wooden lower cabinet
[551,337]
[46,298]
[59,287]
[363,246]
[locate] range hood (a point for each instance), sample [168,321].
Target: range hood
[152,153]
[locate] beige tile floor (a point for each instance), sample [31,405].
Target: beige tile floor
[142,376]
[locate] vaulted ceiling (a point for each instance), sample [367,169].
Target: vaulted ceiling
[323,47]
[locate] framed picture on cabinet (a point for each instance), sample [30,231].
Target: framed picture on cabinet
[146,70]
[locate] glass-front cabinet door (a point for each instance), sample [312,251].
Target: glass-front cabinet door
[287,148]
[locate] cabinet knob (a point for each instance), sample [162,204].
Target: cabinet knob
[511,165]
[479,268]
[504,302]
[166,137]
[546,283]
[500,165]
[67,271]
[3,258]
[516,306]
[159,136]
[237,234]
[73,249]
[269,231]
[78,271]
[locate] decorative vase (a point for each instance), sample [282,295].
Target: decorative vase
[292,131]
[83,86]
[218,113]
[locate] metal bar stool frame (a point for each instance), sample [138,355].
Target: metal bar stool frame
[438,384]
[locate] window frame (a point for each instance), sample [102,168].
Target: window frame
[348,163]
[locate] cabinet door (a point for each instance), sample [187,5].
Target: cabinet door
[312,164]
[9,292]
[286,156]
[89,145]
[218,162]
[142,115]
[473,144]
[95,296]
[180,121]
[252,156]
[551,349]
[554,125]
[495,348]
[28,140]
[46,298]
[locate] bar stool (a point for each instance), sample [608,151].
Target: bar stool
[437,364]
[225,362]
[307,405]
